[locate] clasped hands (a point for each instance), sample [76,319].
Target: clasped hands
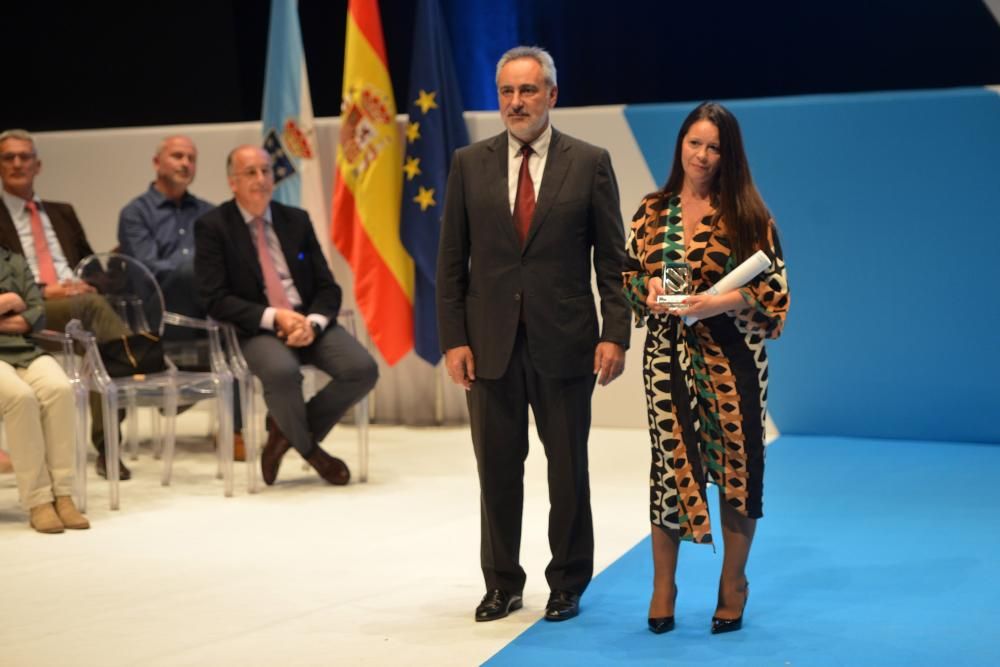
[11,303]
[293,328]
[11,307]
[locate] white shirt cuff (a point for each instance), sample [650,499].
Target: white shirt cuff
[321,320]
[267,319]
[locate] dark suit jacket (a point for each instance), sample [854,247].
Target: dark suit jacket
[485,279]
[65,224]
[229,276]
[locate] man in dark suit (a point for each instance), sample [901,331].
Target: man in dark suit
[524,212]
[53,242]
[260,268]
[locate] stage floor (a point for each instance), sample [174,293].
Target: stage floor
[382,573]
[871,553]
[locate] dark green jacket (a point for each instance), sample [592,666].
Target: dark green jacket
[15,276]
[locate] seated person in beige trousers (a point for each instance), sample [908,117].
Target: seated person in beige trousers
[36,401]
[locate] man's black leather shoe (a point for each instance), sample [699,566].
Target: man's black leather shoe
[562,605]
[497,604]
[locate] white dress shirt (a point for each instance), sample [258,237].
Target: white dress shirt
[281,266]
[21,216]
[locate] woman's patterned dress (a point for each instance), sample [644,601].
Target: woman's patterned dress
[706,384]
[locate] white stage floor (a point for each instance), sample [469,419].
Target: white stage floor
[383,573]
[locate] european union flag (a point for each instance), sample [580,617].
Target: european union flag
[435,130]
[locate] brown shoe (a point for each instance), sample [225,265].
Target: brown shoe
[270,456]
[239,447]
[70,515]
[45,520]
[330,468]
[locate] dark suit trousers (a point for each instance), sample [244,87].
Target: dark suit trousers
[498,411]
[336,353]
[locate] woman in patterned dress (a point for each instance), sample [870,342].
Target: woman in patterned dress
[706,383]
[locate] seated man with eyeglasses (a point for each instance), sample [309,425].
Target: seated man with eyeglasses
[50,237]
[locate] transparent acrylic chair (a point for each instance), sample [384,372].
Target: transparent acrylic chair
[130,293]
[252,396]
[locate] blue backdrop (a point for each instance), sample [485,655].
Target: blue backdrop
[888,206]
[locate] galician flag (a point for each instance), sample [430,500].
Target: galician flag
[368,187]
[289,132]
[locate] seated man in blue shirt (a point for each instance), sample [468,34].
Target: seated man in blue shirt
[157,228]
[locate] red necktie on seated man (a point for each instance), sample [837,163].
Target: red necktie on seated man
[524,200]
[46,267]
[276,295]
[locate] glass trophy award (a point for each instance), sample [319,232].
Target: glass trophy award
[677,285]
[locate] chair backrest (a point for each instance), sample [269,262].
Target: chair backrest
[128,287]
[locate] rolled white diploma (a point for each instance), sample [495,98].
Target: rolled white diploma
[738,277]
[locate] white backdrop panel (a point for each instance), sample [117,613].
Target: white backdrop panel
[99,171]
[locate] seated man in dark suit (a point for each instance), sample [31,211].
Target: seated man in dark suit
[260,268]
[51,238]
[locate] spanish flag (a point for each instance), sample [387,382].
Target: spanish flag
[368,187]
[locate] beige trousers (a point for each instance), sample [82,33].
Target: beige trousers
[37,407]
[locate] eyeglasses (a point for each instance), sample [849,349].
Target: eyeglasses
[10,157]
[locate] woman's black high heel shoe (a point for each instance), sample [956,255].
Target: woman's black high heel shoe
[662,624]
[721,625]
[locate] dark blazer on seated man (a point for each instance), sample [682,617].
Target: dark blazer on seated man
[65,224]
[260,268]
[233,288]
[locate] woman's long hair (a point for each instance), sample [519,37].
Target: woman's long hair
[738,204]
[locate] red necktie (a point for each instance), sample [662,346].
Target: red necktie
[524,200]
[46,267]
[276,295]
